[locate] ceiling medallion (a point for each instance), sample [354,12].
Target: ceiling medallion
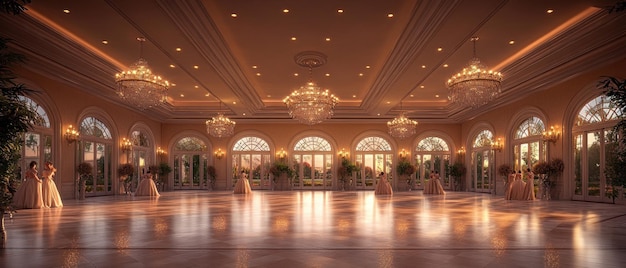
[475,85]
[139,87]
[310,104]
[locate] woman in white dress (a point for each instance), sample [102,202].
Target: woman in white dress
[28,195]
[529,189]
[50,193]
[383,187]
[242,186]
[147,187]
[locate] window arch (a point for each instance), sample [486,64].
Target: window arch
[532,126]
[432,154]
[190,163]
[38,141]
[96,148]
[483,139]
[313,162]
[43,120]
[373,155]
[251,154]
[481,169]
[528,148]
[593,139]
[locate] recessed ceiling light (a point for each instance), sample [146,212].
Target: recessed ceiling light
[234,102]
[173,84]
[339,10]
[254,66]
[549,11]
[422,86]
[360,74]
[367,67]
[196,86]
[234,15]
[105,42]
[354,96]
[208,94]
[269,96]
[66,11]
[293,38]
[327,38]
[390,15]
[244,114]
[172,66]
[178,49]
[258,74]
[412,95]
[327,75]
[445,65]
[388,102]
[437,96]
[378,114]
[295,74]
[196,66]
[182,95]
[511,42]
[285,10]
[439,49]
[423,66]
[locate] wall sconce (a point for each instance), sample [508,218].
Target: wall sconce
[403,153]
[343,153]
[461,151]
[281,154]
[160,152]
[551,136]
[126,145]
[219,154]
[497,145]
[71,135]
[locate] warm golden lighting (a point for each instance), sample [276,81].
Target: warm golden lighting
[552,135]
[403,153]
[126,145]
[461,151]
[71,134]
[497,145]
[219,154]
[160,152]
[343,153]
[281,154]
[401,127]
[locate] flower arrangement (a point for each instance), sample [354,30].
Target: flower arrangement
[405,167]
[345,170]
[126,170]
[504,170]
[542,167]
[279,167]
[84,169]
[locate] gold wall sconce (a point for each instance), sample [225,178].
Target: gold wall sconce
[497,145]
[281,154]
[160,152]
[552,135]
[403,153]
[126,145]
[343,153]
[219,154]
[461,151]
[71,134]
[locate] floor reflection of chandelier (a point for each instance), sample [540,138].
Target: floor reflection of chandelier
[401,127]
[139,87]
[220,126]
[310,104]
[475,85]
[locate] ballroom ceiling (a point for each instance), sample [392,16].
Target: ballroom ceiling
[383,56]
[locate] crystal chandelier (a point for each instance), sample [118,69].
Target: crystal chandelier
[220,126]
[475,85]
[310,104]
[401,127]
[139,87]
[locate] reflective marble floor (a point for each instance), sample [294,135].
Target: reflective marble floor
[317,229]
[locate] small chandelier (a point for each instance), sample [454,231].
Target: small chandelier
[475,85]
[401,127]
[139,87]
[220,126]
[310,104]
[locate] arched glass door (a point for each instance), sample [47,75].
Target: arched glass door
[95,148]
[190,164]
[432,154]
[142,155]
[373,156]
[313,163]
[527,145]
[252,155]
[482,172]
[38,141]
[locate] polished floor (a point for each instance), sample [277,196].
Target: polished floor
[317,229]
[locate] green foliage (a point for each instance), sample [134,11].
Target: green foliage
[504,170]
[212,173]
[615,171]
[457,170]
[346,169]
[16,118]
[405,167]
[164,169]
[14,7]
[280,167]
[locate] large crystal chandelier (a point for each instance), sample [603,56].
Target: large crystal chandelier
[310,104]
[220,126]
[139,87]
[475,85]
[401,127]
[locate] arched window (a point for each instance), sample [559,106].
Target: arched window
[38,141]
[190,163]
[528,148]
[252,155]
[313,162]
[593,140]
[373,155]
[142,153]
[96,148]
[481,170]
[432,154]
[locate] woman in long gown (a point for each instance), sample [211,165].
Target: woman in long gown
[50,193]
[436,186]
[383,187]
[428,186]
[509,185]
[147,187]
[242,186]
[517,189]
[529,189]
[28,195]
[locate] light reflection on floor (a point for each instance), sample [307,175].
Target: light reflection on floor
[317,229]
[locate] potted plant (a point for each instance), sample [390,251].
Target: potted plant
[126,171]
[212,174]
[405,169]
[615,170]
[281,174]
[345,171]
[457,171]
[85,171]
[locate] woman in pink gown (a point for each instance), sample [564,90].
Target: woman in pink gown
[517,189]
[383,187]
[509,185]
[529,189]
[28,195]
[147,187]
[242,186]
[50,193]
